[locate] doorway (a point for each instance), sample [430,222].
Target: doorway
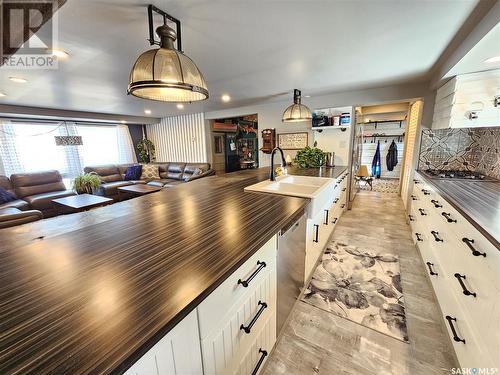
[381,135]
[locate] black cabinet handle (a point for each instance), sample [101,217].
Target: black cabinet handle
[335,186]
[326,218]
[436,203]
[317,233]
[246,282]
[418,237]
[452,327]
[416,181]
[248,328]
[334,221]
[422,212]
[426,192]
[414,197]
[466,291]
[469,243]
[411,218]
[448,217]
[263,355]
[336,200]
[436,236]
[343,205]
[431,271]
[344,189]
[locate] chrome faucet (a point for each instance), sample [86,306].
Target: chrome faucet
[272,176]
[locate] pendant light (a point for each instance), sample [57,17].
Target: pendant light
[297,111]
[165,73]
[68,140]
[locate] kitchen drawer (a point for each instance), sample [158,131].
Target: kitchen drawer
[230,292]
[254,359]
[223,348]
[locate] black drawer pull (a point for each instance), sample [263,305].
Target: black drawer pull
[344,189]
[466,291]
[343,205]
[452,327]
[448,217]
[418,237]
[336,200]
[413,197]
[436,203]
[469,243]
[431,271]
[426,192]
[416,181]
[411,218]
[246,282]
[326,218]
[335,186]
[248,328]
[422,212]
[436,236]
[334,221]
[317,233]
[261,359]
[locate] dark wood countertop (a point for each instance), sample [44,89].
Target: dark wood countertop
[92,292]
[477,201]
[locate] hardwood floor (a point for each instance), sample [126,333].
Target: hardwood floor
[318,342]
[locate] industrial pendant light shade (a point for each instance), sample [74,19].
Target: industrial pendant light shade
[297,111]
[166,74]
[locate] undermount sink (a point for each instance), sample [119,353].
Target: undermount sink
[318,189]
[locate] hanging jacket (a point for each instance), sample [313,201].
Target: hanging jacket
[392,156]
[376,162]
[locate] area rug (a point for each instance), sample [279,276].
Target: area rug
[386,185]
[360,286]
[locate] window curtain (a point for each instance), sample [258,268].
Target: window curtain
[126,152]
[30,147]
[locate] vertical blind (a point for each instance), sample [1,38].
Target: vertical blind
[30,147]
[180,138]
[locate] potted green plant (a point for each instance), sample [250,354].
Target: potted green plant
[309,157]
[147,151]
[86,183]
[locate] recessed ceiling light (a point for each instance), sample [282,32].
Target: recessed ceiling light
[225,98]
[123,121]
[307,96]
[59,53]
[18,79]
[180,106]
[493,59]
[147,111]
[2,94]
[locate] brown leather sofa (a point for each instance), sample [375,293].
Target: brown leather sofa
[16,212]
[113,176]
[39,189]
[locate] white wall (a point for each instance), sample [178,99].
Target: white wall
[269,114]
[180,138]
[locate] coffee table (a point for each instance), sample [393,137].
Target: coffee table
[139,189]
[82,202]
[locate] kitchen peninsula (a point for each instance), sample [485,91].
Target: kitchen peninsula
[94,292]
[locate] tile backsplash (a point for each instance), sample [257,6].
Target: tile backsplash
[466,149]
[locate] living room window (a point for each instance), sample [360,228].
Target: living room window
[30,147]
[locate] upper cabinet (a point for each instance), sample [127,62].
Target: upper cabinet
[468,101]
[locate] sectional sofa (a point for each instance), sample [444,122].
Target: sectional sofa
[170,174]
[34,192]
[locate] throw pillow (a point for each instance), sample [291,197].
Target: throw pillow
[6,196]
[150,172]
[196,172]
[133,172]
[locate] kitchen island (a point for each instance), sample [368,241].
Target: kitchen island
[93,292]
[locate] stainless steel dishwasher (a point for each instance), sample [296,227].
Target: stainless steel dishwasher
[291,267]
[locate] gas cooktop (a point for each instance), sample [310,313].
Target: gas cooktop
[462,175]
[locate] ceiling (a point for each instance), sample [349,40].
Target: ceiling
[255,51]
[474,60]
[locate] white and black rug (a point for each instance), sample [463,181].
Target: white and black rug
[360,286]
[386,185]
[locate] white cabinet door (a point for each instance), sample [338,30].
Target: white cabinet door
[178,353]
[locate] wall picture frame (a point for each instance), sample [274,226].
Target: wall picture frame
[293,141]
